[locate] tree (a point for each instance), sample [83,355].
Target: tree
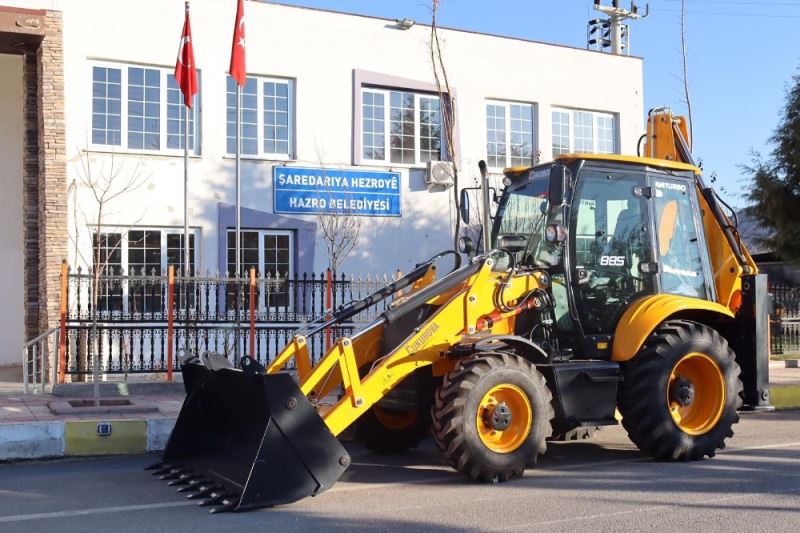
[339,231]
[775,192]
[106,184]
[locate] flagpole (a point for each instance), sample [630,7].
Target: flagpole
[186,192]
[238,269]
[238,185]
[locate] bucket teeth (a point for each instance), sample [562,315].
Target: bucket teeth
[192,484]
[216,497]
[182,479]
[155,466]
[225,505]
[203,491]
[165,469]
[175,473]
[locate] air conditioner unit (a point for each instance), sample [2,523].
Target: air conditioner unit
[439,175]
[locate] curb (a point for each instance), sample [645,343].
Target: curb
[41,440]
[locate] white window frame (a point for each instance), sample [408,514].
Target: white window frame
[164,73]
[125,230]
[596,115]
[123,248]
[261,304]
[261,154]
[387,161]
[506,104]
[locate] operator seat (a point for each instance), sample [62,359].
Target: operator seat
[625,231]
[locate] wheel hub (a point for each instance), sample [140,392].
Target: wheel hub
[504,418]
[499,418]
[695,394]
[681,391]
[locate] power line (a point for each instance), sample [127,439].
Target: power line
[730,14]
[740,3]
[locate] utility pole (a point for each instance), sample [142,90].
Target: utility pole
[612,32]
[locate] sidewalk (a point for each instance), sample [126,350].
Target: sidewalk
[30,430]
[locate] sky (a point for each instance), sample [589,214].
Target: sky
[742,54]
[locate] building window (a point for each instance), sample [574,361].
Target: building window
[400,127]
[267,117]
[271,253]
[576,130]
[139,252]
[107,106]
[144,251]
[108,254]
[149,110]
[509,134]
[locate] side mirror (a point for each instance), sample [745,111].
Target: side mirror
[463,207]
[466,246]
[512,243]
[559,179]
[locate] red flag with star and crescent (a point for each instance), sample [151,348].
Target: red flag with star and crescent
[185,71]
[237,69]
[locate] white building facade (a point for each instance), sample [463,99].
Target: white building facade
[329,95]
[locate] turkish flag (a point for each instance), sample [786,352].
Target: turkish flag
[237,69]
[185,71]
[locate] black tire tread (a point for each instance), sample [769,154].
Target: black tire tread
[448,414]
[643,408]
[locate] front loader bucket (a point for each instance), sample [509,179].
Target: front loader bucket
[245,440]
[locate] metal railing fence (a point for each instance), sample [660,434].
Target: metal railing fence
[138,321]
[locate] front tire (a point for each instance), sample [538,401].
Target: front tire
[681,392]
[491,416]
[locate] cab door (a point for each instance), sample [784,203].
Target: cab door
[611,241]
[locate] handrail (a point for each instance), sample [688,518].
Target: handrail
[40,337]
[38,360]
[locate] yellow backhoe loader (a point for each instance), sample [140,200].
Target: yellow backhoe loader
[605,282]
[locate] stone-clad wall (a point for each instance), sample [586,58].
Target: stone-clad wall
[30,195]
[45,172]
[52,179]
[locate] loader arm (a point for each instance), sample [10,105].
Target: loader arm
[461,299]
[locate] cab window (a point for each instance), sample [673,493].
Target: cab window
[679,254]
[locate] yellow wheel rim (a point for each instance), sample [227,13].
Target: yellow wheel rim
[504,418]
[700,374]
[395,419]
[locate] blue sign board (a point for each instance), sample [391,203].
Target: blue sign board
[333,191]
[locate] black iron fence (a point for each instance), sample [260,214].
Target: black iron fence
[137,323]
[785,319]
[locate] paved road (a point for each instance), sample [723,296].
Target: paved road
[602,485]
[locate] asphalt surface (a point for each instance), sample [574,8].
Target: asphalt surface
[600,485]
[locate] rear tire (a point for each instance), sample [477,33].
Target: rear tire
[390,431]
[491,416]
[681,392]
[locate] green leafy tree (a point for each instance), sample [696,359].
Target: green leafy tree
[775,190]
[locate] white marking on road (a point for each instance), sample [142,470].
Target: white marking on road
[528,525]
[84,512]
[763,447]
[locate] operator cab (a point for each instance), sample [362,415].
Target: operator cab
[620,229]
